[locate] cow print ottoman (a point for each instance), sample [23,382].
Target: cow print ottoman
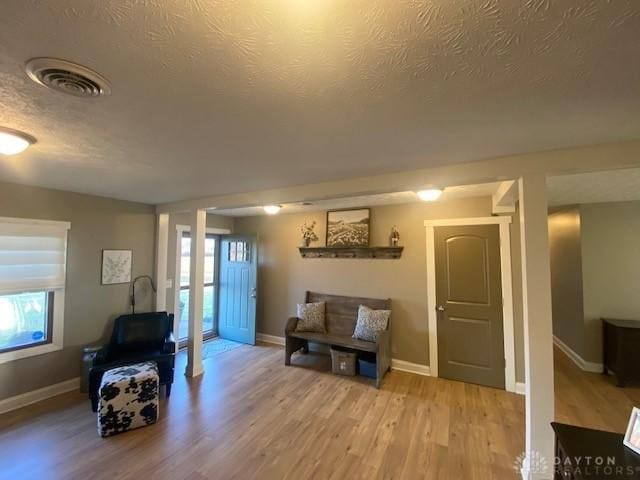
[128,398]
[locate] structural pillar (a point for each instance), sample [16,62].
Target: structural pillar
[162,243]
[538,337]
[196,292]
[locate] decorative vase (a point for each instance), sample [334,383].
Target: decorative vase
[305,242]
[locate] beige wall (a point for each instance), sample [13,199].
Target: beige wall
[284,275]
[96,223]
[565,251]
[611,268]
[213,221]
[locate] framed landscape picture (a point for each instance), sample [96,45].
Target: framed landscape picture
[348,228]
[116,266]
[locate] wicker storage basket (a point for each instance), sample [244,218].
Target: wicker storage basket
[343,361]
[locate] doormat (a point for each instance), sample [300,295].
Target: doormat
[218,345]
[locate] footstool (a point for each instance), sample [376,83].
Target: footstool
[128,398]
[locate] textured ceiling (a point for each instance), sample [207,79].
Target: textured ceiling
[450,193]
[214,97]
[609,186]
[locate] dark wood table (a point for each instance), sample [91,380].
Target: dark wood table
[583,453]
[621,349]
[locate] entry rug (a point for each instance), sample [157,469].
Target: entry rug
[218,345]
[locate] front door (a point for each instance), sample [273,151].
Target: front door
[469,304]
[238,288]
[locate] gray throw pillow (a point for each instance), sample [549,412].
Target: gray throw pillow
[370,322]
[311,317]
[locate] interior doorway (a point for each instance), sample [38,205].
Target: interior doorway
[230,286]
[470,300]
[469,304]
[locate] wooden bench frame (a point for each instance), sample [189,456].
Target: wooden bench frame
[341,317]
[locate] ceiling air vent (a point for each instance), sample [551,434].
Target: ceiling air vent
[67,77]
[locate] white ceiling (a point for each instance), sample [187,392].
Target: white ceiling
[598,187]
[214,97]
[450,193]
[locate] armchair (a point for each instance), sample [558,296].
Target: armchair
[136,338]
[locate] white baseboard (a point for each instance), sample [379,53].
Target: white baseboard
[404,366]
[24,399]
[399,365]
[521,388]
[576,358]
[273,339]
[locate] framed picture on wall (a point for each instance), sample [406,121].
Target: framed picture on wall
[348,228]
[116,266]
[632,437]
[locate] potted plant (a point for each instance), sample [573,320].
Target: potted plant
[308,234]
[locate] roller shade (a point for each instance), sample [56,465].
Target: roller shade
[32,255]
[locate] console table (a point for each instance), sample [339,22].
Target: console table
[586,454]
[621,349]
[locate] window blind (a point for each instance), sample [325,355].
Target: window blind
[32,255]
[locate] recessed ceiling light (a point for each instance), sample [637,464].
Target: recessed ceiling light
[429,195]
[13,141]
[272,209]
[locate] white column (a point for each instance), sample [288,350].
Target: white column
[538,339]
[162,242]
[196,291]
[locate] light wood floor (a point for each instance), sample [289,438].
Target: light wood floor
[251,417]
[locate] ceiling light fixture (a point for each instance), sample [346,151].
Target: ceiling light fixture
[13,141]
[429,195]
[271,209]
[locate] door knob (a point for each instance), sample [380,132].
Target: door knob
[253,293]
[440,308]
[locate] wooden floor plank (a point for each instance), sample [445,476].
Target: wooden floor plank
[249,416]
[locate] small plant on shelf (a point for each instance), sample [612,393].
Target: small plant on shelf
[308,233]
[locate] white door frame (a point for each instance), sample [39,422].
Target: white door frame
[180,229]
[507,293]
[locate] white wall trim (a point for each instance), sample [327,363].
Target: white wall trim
[210,230]
[521,388]
[404,366]
[576,358]
[507,293]
[452,222]
[400,365]
[24,399]
[33,221]
[273,339]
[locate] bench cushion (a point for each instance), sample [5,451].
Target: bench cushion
[334,339]
[370,322]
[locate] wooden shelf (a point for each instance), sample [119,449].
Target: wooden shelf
[384,253]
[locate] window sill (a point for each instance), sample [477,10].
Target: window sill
[28,352]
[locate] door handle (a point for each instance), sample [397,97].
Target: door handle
[253,293]
[440,308]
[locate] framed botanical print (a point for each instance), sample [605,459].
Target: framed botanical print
[116,266]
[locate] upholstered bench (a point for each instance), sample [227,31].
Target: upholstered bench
[128,398]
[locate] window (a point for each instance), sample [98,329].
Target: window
[239,251]
[208,302]
[32,280]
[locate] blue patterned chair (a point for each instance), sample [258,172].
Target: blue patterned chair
[128,398]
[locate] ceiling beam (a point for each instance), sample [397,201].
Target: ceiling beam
[554,162]
[504,200]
